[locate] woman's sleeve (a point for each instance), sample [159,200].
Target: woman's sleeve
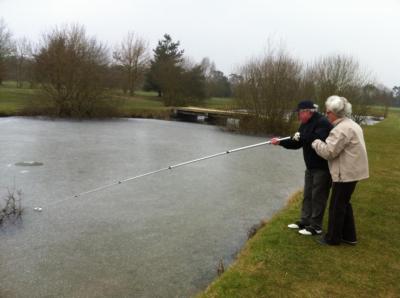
[333,145]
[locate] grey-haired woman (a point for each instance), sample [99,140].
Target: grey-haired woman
[348,163]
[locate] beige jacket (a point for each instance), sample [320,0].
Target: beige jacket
[345,151]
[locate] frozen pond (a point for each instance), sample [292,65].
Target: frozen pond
[159,236]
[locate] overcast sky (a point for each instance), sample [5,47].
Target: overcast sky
[230,32]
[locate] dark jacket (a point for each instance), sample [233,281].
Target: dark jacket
[317,127]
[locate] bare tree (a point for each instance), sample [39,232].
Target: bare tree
[23,58]
[71,69]
[133,56]
[268,88]
[6,47]
[341,75]
[396,95]
[378,95]
[208,66]
[216,83]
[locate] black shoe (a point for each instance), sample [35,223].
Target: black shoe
[323,241]
[349,242]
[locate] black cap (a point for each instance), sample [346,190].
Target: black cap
[304,105]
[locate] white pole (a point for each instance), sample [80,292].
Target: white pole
[166,168]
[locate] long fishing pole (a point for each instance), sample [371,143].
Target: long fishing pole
[163,169]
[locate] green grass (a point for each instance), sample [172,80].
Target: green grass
[381,108]
[14,101]
[279,262]
[222,103]
[139,102]
[146,93]
[379,111]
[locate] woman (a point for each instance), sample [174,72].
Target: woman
[348,163]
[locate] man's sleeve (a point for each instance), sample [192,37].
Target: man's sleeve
[291,144]
[321,132]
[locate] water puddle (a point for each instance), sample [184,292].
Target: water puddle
[28,164]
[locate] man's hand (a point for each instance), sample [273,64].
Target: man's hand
[296,136]
[275,141]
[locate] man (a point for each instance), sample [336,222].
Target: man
[317,180]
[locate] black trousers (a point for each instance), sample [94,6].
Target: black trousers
[341,220]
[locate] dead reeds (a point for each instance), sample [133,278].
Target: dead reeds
[12,209]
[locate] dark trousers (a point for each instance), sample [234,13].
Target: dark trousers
[317,184]
[341,220]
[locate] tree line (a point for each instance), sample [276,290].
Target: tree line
[76,72]
[271,85]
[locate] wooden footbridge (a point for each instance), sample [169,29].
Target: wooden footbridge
[213,116]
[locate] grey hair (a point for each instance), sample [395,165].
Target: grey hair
[340,106]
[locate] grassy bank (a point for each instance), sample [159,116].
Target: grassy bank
[279,262]
[13,100]
[27,102]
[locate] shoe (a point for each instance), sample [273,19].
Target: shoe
[296,225]
[309,231]
[349,242]
[323,241]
